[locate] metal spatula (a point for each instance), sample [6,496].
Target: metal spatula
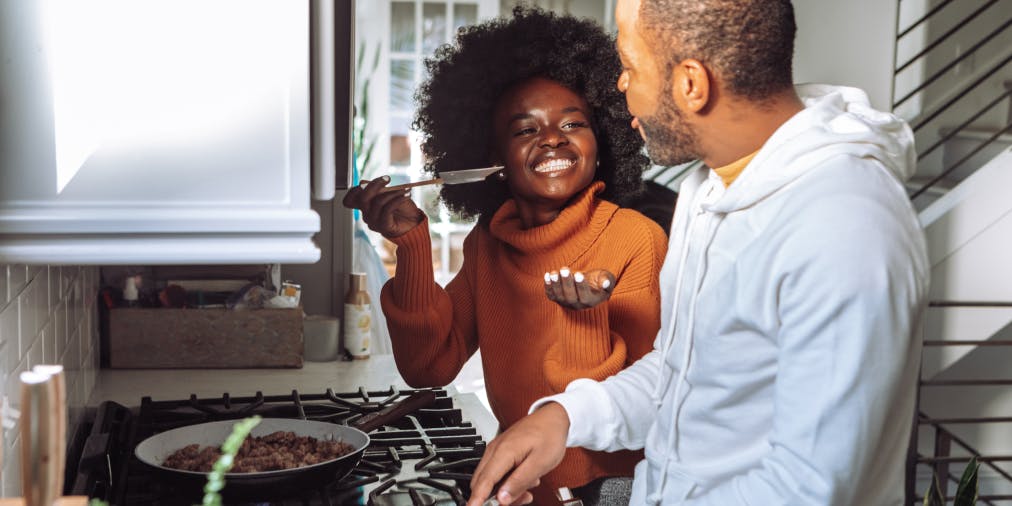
[451,177]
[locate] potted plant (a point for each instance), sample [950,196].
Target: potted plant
[966,492]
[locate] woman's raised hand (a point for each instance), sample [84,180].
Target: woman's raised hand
[391,213]
[579,290]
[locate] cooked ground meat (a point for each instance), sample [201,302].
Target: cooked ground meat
[273,452]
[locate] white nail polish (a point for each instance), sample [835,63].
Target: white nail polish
[548,278]
[385,178]
[578,277]
[564,272]
[554,276]
[606,283]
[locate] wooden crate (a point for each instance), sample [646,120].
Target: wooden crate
[160,338]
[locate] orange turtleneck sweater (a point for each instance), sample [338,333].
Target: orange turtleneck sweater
[530,346]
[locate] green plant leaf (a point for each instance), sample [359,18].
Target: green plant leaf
[216,478]
[966,493]
[366,166]
[933,497]
[362,143]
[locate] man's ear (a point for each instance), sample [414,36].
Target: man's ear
[691,85]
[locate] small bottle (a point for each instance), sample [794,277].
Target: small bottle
[130,294]
[357,317]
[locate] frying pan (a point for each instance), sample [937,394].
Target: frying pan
[264,485]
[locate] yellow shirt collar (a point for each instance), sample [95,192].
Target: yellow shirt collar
[731,171]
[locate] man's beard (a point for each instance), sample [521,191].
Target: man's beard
[669,139]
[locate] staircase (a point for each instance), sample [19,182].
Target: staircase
[953,83]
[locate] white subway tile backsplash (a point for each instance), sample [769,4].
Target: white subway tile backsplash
[52,288]
[33,270]
[41,284]
[60,324]
[12,387]
[67,275]
[50,350]
[9,335]
[46,317]
[17,277]
[27,311]
[35,354]
[4,297]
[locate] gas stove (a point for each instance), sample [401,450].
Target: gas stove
[426,458]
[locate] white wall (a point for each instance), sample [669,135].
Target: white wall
[47,316]
[848,43]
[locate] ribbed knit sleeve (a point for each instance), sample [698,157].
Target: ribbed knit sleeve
[598,342]
[432,330]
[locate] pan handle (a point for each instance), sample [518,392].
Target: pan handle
[414,402]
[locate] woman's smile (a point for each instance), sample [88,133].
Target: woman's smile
[552,166]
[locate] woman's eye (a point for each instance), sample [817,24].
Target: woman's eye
[523,131]
[575,124]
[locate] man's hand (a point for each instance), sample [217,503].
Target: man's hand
[579,290]
[391,213]
[530,448]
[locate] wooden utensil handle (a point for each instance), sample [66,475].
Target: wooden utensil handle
[40,442]
[72,500]
[414,402]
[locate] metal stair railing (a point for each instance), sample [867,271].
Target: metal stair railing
[943,458]
[959,95]
[941,462]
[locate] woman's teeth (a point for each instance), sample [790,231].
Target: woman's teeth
[553,165]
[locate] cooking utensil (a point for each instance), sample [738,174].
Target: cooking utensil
[59,414]
[41,474]
[451,177]
[263,485]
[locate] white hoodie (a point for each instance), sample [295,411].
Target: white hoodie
[784,372]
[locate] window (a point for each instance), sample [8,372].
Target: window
[393,39]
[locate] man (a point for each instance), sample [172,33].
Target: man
[785,369]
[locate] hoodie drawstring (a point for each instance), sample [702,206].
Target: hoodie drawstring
[657,496]
[660,387]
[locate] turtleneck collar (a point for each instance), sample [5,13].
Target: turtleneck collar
[731,171]
[559,243]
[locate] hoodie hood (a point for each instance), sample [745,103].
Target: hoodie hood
[837,120]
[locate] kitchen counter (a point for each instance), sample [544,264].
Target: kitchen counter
[127,386]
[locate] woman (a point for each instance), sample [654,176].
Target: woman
[534,93]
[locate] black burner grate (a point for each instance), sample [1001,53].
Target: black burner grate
[426,458]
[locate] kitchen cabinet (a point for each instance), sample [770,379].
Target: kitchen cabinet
[170,131]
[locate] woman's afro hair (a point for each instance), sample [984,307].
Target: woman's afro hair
[466,78]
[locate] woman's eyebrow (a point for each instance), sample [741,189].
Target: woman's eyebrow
[524,115]
[519,116]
